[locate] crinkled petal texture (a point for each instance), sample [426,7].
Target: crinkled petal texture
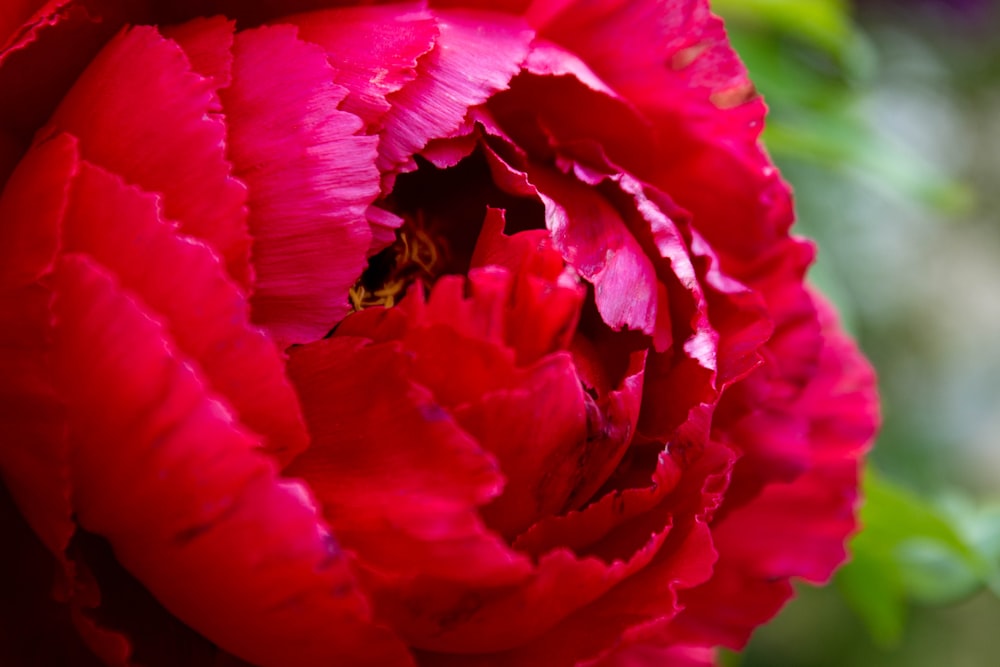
[447,333]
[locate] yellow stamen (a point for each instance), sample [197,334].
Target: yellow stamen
[415,255]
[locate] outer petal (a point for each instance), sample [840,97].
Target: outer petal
[117,105]
[311,178]
[227,546]
[797,528]
[183,283]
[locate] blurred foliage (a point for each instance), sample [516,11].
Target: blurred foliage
[811,61]
[874,187]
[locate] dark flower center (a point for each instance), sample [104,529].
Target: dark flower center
[416,254]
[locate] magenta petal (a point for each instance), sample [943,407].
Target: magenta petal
[311,180]
[136,87]
[183,284]
[374,51]
[594,240]
[475,56]
[161,470]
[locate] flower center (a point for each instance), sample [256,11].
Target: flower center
[415,255]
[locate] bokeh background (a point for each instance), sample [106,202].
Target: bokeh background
[885,118]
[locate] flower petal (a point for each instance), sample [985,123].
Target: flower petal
[397,478]
[475,56]
[117,105]
[796,528]
[182,283]
[161,470]
[311,179]
[34,628]
[374,51]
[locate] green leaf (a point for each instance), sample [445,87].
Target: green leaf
[825,24]
[911,550]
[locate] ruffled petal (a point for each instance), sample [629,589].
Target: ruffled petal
[208,45]
[311,179]
[474,57]
[368,454]
[183,283]
[117,105]
[679,556]
[208,527]
[373,50]
[796,528]
[14,15]
[487,625]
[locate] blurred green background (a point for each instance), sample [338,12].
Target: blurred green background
[885,118]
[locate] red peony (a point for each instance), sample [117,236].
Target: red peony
[468,334]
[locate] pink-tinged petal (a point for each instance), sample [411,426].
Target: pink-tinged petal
[162,471]
[374,51]
[208,45]
[796,528]
[383,224]
[140,91]
[184,285]
[311,180]
[594,240]
[475,56]
[397,478]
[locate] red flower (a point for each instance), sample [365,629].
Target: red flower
[395,335]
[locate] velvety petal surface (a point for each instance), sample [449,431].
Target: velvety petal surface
[311,178]
[228,547]
[182,282]
[796,528]
[374,51]
[474,57]
[140,85]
